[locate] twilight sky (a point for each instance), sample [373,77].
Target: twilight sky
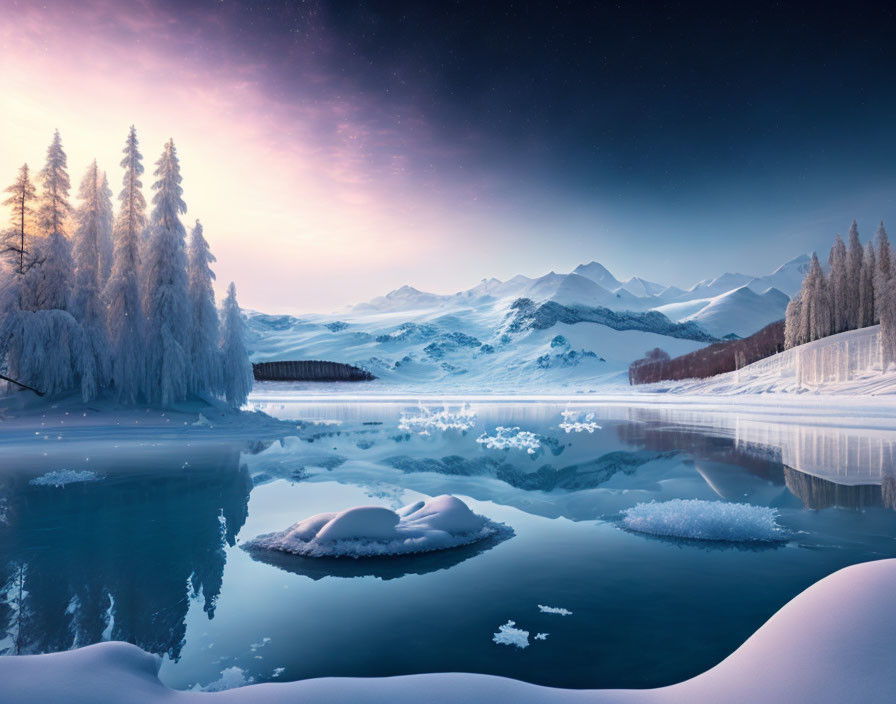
[335,151]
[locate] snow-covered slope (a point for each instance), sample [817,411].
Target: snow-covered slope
[833,643]
[787,278]
[740,312]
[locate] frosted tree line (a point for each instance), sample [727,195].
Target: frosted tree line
[857,290]
[118,305]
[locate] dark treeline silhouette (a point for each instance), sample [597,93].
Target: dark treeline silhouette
[715,359]
[309,370]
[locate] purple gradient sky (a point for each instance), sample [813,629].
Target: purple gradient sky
[319,190]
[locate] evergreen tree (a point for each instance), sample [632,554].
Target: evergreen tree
[815,311]
[53,207]
[125,313]
[17,240]
[205,368]
[866,289]
[236,367]
[854,258]
[792,328]
[885,298]
[87,304]
[837,285]
[166,287]
[107,225]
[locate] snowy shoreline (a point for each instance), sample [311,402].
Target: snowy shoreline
[831,643]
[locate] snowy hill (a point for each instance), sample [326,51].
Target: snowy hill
[740,312]
[787,278]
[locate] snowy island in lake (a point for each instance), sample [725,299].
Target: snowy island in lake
[375,531]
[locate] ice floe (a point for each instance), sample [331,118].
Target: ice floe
[554,610]
[508,634]
[61,477]
[425,419]
[370,531]
[572,424]
[510,438]
[696,519]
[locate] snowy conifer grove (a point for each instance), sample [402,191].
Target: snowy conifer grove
[857,290]
[117,306]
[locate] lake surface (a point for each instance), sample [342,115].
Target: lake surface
[149,551]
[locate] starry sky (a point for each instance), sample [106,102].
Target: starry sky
[337,150]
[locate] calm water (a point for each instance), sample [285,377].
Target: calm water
[150,551]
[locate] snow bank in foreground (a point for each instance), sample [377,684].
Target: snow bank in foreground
[370,531]
[61,477]
[833,643]
[510,438]
[705,520]
[509,634]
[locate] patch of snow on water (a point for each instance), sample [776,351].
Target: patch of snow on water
[572,424]
[554,610]
[61,477]
[509,635]
[510,438]
[696,519]
[375,531]
[231,678]
[541,636]
[425,420]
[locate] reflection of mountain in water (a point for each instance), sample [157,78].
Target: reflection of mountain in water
[384,568]
[118,558]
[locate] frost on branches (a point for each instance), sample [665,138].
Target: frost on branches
[108,303]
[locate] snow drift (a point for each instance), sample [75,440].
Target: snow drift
[375,531]
[695,519]
[832,643]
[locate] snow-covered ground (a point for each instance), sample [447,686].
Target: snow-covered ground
[847,364]
[831,644]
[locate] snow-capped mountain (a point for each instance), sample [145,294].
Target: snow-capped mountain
[578,330]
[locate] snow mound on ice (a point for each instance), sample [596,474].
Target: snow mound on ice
[696,519]
[426,420]
[510,438]
[61,477]
[375,531]
[509,635]
[554,610]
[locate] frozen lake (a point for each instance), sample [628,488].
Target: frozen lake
[146,548]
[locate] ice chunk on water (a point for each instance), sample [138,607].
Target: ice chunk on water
[705,520]
[426,419]
[510,438]
[572,424]
[508,634]
[61,477]
[541,636]
[554,610]
[364,531]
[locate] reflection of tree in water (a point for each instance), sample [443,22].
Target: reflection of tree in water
[817,493]
[121,556]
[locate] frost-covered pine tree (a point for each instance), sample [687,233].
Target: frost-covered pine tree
[125,312]
[815,311]
[205,364]
[53,206]
[885,298]
[235,359]
[854,259]
[837,285]
[107,225]
[17,240]
[882,272]
[166,288]
[866,289]
[87,302]
[792,328]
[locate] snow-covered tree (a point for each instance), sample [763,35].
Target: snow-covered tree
[866,289]
[53,206]
[87,302]
[125,312]
[17,240]
[107,225]
[885,298]
[815,309]
[854,258]
[237,369]
[166,287]
[837,285]
[792,327]
[205,366]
